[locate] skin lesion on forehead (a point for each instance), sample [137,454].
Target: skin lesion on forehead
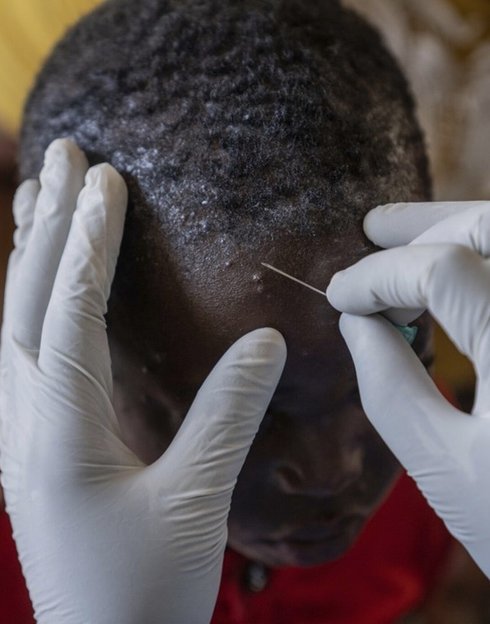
[219,271]
[207,296]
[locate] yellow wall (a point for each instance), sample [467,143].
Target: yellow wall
[28,30]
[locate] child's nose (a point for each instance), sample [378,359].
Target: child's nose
[328,476]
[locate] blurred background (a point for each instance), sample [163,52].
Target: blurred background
[444,48]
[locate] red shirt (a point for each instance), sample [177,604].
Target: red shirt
[388,572]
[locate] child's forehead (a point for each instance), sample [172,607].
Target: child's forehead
[236,283]
[225,284]
[195,301]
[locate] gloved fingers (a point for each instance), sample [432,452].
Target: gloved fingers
[391,278]
[23,209]
[469,227]
[211,446]
[61,181]
[418,424]
[461,223]
[74,331]
[442,278]
[399,224]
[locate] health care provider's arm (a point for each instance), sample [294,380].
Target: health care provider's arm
[445,269]
[103,538]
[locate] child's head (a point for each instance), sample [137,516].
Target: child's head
[247,131]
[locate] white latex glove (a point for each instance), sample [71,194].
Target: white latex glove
[102,538]
[445,270]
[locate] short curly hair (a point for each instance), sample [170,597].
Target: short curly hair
[247,118]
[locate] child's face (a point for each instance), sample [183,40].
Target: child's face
[317,468]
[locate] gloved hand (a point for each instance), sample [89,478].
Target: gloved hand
[102,538]
[445,270]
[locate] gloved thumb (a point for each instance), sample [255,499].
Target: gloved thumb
[215,437]
[442,448]
[399,398]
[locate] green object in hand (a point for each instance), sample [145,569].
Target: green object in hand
[409,333]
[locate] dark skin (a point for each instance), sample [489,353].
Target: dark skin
[317,469]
